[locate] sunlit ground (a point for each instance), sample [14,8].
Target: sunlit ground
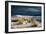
[25,22]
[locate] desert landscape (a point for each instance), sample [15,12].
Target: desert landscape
[25,16]
[21,21]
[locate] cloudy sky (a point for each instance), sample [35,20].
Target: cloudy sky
[25,10]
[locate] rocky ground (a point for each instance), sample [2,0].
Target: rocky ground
[25,24]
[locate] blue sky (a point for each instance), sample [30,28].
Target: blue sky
[25,10]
